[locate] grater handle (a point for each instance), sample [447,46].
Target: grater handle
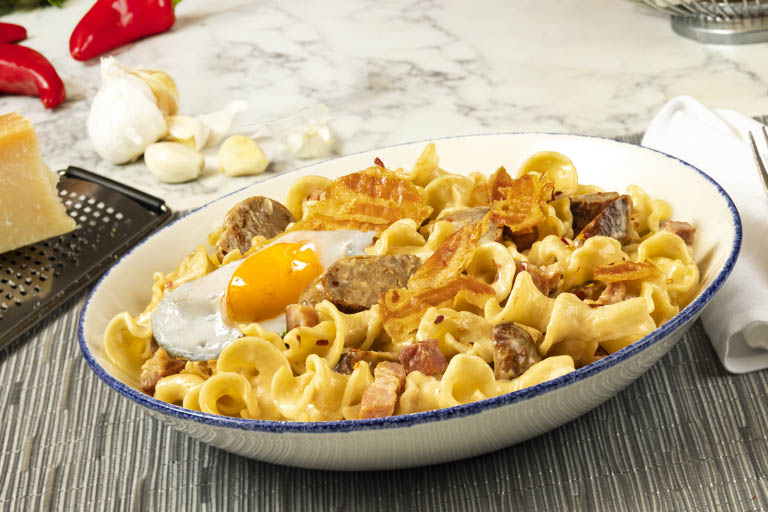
[150,202]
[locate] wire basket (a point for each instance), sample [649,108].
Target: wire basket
[717,21]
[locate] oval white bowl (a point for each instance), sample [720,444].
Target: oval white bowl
[457,432]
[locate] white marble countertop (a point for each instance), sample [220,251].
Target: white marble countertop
[396,72]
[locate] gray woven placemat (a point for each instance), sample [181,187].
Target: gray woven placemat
[685,436]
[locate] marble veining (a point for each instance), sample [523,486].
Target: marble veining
[398,71]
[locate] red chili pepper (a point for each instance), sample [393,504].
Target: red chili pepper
[12,33]
[110,24]
[25,71]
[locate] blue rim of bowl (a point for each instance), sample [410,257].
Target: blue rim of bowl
[688,314]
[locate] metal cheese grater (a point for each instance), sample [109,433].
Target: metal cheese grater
[111,217]
[717,21]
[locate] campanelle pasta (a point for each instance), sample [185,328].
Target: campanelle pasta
[478,286]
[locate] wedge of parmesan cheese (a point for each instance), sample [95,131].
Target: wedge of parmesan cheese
[30,210]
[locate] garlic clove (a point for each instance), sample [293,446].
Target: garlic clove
[240,155]
[124,118]
[202,131]
[220,121]
[163,87]
[315,140]
[305,134]
[172,162]
[190,131]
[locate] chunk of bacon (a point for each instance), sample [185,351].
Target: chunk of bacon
[368,200]
[156,367]
[589,291]
[623,271]
[525,239]
[379,399]
[684,230]
[300,315]
[423,356]
[544,277]
[613,293]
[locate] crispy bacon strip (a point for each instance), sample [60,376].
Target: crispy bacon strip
[497,182]
[449,259]
[623,271]
[368,200]
[517,203]
[438,282]
[379,399]
[322,222]
[402,309]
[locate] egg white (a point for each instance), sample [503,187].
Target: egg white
[191,321]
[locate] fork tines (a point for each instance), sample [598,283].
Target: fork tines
[759,159]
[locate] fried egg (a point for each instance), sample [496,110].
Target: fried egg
[199,318]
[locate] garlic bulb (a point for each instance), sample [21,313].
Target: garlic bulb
[163,87]
[172,162]
[124,117]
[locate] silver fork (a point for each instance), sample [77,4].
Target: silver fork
[759,159]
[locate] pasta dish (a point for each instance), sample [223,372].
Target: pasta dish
[389,292]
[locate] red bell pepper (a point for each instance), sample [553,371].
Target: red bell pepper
[12,33]
[110,24]
[25,71]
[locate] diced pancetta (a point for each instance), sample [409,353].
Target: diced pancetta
[684,230]
[545,277]
[423,356]
[156,367]
[379,399]
[300,315]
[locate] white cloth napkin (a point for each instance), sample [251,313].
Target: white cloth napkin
[717,142]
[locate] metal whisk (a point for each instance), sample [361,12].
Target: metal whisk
[717,21]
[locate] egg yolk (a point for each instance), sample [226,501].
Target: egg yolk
[269,280]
